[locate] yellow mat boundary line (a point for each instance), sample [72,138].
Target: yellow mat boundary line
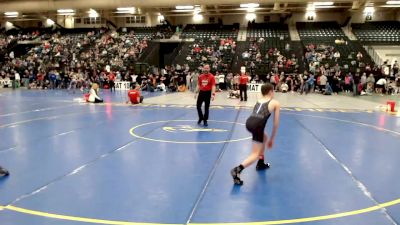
[315,218]
[272,222]
[131,131]
[76,218]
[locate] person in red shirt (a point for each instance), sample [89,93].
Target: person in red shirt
[206,90]
[111,78]
[135,96]
[243,80]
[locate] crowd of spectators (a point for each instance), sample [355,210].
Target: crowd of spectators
[350,74]
[277,60]
[74,61]
[216,52]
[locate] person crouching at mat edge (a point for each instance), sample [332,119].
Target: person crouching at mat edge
[255,124]
[3,172]
[135,96]
[206,92]
[93,97]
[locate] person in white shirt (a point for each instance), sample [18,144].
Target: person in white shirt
[17,79]
[221,78]
[336,55]
[395,68]
[134,78]
[161,87]
[194,79]
[380,85]
[236,82]
[163,71]
[284,87]
[229,80]
[397,82]
[359,56]
[118,76]
[322,82]
[364,79]
[93,97]
[216,81]
[188,84]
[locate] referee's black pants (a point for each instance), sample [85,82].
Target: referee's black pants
[204,96]
[243,91]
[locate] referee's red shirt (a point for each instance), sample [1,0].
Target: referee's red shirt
[243,79]
[206,82]
[111,77]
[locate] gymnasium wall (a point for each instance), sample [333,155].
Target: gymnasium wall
[390,53]
[152,19]
[340,17]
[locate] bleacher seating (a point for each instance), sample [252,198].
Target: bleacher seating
[158,32]
[196,59]
[267,37]
[329,35]
[323,30]
[207,31]
[387,32]
[267,64]
[267,30]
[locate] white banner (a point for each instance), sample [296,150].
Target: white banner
[122,85]
[254,87]
[5,82]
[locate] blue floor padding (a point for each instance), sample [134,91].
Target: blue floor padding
[81,160]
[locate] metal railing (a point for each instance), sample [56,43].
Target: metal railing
[374,55]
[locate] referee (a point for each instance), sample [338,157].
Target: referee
[3,172]
[243,80]
[206,90]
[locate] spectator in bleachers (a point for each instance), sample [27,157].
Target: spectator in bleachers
[348,81]
[229,81]
[359,56]
[397,89]
[385,69]
[395,68]
[380,86]
[328,89]
[221,81]
[284,87]
[363,79]
[322,81]
[310,84]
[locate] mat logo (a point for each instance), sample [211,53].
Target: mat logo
[188,128]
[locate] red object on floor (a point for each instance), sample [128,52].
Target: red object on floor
[390,106]
[86,97]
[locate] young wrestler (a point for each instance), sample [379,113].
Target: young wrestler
[255,124]
[134,96]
